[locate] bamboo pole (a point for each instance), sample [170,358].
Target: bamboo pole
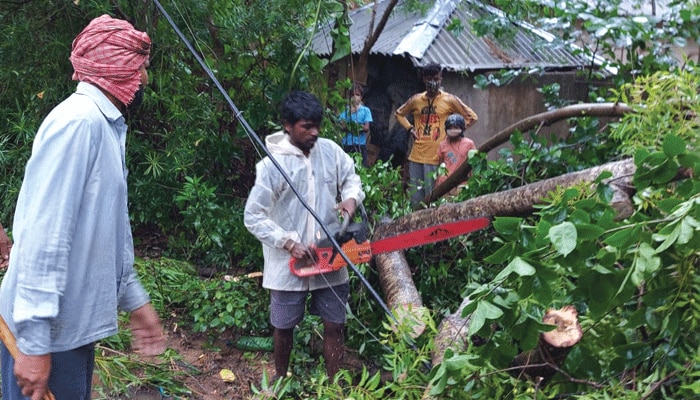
[9,340]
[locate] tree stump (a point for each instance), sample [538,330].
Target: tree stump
[541,363]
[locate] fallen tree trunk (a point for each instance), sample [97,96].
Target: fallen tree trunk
[394,273]
[541,363]
[514,202]
[452,333]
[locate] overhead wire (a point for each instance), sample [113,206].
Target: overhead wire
[258,141]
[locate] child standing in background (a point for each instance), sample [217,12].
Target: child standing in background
[355,122]
[454,150]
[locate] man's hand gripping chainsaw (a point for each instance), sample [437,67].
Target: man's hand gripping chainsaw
[352,238]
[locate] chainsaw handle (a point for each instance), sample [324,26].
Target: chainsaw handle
[312,265]
[344,226]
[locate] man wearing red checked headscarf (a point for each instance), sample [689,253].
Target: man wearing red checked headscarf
[71,265]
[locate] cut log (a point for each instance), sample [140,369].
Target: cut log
[452,333]
[401,294]
[541,363]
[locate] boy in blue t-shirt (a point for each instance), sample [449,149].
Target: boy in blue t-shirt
[356,123]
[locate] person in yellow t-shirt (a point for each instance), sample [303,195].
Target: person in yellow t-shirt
[429,109]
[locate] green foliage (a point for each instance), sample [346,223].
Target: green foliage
[181,297]
[406,358]
[163,279]
[192,152]
[538,157]
[624,47]
[633,283]
[383,187]
[636,46]
[119,374]
[32,80]
[185,129]
[527,160]
[498,78]
[269,389]
[411,357]
[225,305]
[499,26]
[345,385]
[213,227]
[220,304]
[663,103]
[212,305]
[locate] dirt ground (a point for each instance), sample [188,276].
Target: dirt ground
[199,369]
[203,365]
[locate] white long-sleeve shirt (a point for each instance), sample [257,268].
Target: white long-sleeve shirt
[71,265]
[274,214]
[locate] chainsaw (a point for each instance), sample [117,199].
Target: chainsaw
[353,241]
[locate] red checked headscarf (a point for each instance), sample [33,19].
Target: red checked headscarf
[109,53]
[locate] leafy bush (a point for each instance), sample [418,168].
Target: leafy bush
[211,305]
[664,103]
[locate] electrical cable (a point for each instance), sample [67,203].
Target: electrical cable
[256,139]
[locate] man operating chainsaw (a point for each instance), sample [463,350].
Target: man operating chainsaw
[320,172]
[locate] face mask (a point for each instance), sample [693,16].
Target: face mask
[135,102]
[432,86]
[454,132]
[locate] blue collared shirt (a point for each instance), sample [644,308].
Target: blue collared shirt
[71,265]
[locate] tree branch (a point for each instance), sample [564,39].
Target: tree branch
[543,119]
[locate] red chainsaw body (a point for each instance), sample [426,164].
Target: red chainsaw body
[328,261]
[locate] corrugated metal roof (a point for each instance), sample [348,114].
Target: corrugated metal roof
[424,39]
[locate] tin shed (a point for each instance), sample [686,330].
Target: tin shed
[412,39]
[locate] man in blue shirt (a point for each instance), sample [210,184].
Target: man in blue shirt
[71,266]
[356,122]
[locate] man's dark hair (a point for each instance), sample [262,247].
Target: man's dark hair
[298,105]
[431,69]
